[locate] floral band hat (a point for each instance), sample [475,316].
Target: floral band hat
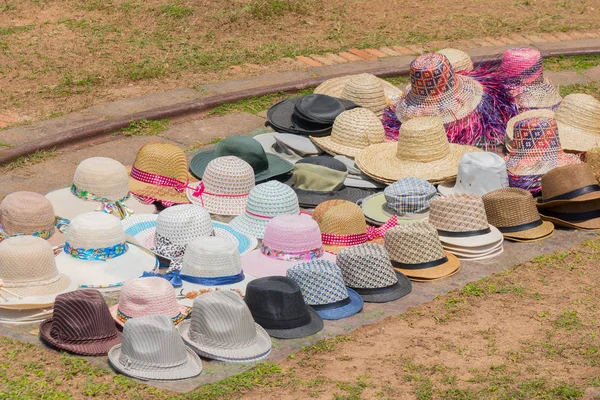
[99,184]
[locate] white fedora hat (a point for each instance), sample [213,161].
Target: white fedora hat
[478,173]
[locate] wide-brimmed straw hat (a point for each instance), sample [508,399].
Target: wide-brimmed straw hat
[29,277]
[99,184]
[513,212]
[29,213]
[459,60]
[288,240]
[422,151]
[160,174]
[592,159]
[478,173]
[578,120]
[416,251]
[81,324]
[153,350]
[352,131]
[97,256]
[222,328]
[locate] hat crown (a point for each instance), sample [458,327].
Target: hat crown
[320,281]
[510,207]
[276,298]
[319,174]
[366,266]
[292,233]
[103,177]
[414,243]
[228,175]
[26,213]
[271,199]
[481,172]
[535,138]
[458,212]
[565,179]
[345,218]
[26,259]
[409,195]
[183,223]
[150,295]
[521,66]
[422,139]
[358,128]
[95,230]
[431,75]
[210,257]
[245,148]
[366,91]
[163,159]
[581,111]
[459,60]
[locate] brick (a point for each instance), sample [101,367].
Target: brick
[309,61]
[376,53]
[416,49]
[389,51]
[323,60]
[495,42]
[549,37]
[402,50]
[435,45]
[534,38]
[520,39]
[363,54]
[349,56]
[337,59]
[255,82]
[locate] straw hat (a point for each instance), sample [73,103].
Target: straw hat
[336,87]
[96,254]
[541,96]
[222,328]
[225,186]
[160,173]
[265,202]
[478,173]
[578,120]
[459,60]
[28,274]
[592,159]
[422,151]
[29,213]
[416,251]
[153,350]
[513,212]
[352,131]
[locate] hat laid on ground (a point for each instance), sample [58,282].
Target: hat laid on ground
[288,240]
[97,256]
[28,274]
[225,186]
[222,328]
[352,131]
[288,146]
[323,288]
[276,304]
[265,202]
[357,178]
[153,350]
[265,165]
[422,151]
[592,159]
[343,224]
[459,60]
[571,197]
[578,120]
[478,173]
[408,199]
[416,251]
[81,324]
[367,270]
[535,150]
[30,214]
[99,184]
[145,296]
[513,212]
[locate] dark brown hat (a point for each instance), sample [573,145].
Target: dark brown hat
[81,324]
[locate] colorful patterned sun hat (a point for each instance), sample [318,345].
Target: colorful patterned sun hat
[265,202]
[323,288]
[478,173]
[459,60]
[99,184]
[578,120]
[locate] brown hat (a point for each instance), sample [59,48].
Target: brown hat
[513,212]
[592,158]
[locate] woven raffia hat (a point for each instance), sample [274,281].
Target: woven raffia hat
[416,251]
[352,131]
[222,328]
[81,324]
[99,184]
[160,173]
[152,349]
[29,213]
[288,240]
[265,202]
[422,151]
[28,274]
[225,186]
[145,296]
[578,120]
[459,60]
[367,270]
[478,173]
[323,288]
[542,96]
[513,212]
[96,254]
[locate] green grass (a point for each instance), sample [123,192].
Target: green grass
[255,105]
[593,89]
[145,127]
[568,320]
[34,158]
[577,63]
[176,10]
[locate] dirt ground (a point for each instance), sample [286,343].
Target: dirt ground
[61,56]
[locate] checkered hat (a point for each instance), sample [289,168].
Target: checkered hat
[409,195]
[321,282]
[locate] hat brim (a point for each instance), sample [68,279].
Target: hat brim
[315,325]
[577,200]
[280,117]
[218,205]
[492,237]
[188,287]
[572,207]
[185,310]
[257,264]
[191,368]
[258,350]
[524,240]
[376,212]
[334,148]
[165,194]
[335,248]
[540,231]
[478,257]
[334,87]
[391,293]
[440,271]
[591,224]
[311,199]
[92,347]
[27,316]
[37,296]
[249,225]
[354,307]
[473,250]
[423,280]
[575,139]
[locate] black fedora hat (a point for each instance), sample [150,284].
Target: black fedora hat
[276,303]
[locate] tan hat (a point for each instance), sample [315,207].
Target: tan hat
[352,131]
[459,60]
[592,159]
[513,212]
[422,151]
[578,120]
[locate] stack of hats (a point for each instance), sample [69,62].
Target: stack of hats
[578,121]
[478,173]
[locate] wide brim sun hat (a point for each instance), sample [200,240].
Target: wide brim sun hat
[459,60]
[578,120]
[377,211]
[28,316]
[334,87]
[539,96]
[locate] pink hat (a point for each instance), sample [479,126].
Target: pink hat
[288,240]
[145,296]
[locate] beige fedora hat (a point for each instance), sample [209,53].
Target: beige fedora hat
[578,120]
[459,60]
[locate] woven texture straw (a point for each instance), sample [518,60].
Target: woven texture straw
[25,213]
[335,87]
[459,60]
[578,119]
[592,159]
[564,181]
[211,257]
[352,131]
[459,212]
[521,67]
[366,91]
[510,125]
[422,151]
[543,95]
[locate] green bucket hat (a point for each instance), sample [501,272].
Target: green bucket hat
[266,166]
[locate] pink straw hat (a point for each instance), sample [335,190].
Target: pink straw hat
[288,240]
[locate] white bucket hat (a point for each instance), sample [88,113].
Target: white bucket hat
[478,173]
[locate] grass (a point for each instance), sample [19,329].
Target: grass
[577,63]
[34,158]
[255,105]
[593,89]
[145,128]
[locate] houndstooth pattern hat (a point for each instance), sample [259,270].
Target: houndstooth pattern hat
[321,282]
